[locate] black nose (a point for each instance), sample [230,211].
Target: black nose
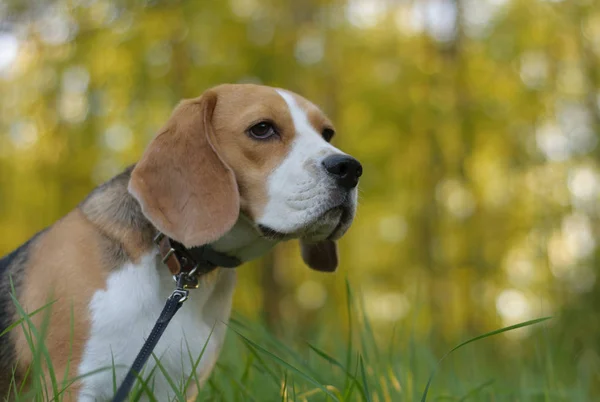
[345,169]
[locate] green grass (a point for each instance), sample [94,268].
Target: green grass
[355,366]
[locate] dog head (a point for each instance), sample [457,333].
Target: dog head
[256,150]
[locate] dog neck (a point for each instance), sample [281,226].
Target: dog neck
[118,215]
[244,241]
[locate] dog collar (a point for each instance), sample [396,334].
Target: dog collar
[191,262]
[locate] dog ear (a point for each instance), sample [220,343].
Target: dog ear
[183,186]
[321,256]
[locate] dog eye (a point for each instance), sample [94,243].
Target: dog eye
[327,134]
[262,130]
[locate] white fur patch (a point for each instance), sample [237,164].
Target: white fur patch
[124,313]
[299,189]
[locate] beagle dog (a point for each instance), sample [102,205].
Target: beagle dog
[240,168]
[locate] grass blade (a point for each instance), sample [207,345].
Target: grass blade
[39,336]
[364,378]
[285,364]
[349,302]
[486,335]
[195,364]
[338,364]
[264,365]
[476,390]
[20,320]
[238,384]
[284,387]
[168,378]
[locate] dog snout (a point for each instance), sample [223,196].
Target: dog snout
[344,169]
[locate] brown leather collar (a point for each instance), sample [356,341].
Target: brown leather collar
[193,262]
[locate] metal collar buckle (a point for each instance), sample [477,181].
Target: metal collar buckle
[187,281]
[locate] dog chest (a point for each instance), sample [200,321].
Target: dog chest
[123,314]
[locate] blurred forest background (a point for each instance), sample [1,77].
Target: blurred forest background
[477,122]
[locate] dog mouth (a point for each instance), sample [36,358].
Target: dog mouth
[339,217]
[342,225]
[271,234]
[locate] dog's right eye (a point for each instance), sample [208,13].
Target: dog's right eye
[328,134]
[262,130]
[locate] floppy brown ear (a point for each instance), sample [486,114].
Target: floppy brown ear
[183,186]
[321,256]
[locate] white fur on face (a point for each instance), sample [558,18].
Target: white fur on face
[300,190]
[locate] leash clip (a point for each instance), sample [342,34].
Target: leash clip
[184,293]
[180,289]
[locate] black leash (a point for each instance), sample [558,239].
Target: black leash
[174,303]
[187,265]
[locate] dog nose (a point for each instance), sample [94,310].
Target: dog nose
[345,169]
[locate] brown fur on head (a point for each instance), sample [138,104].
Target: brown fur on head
[205,167]
[184,187]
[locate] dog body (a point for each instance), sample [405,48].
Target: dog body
[241,168]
